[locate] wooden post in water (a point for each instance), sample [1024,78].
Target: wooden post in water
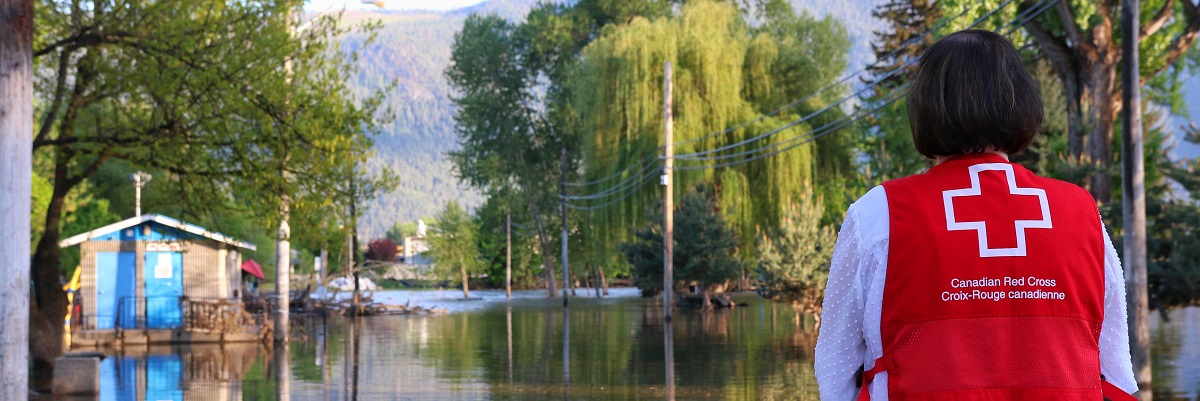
[562,187]
[1133,202]
[16,171]
[668,201]
[508,255]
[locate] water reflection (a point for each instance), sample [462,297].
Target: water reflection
[175,373]
[566,353]
[613,348]
[669,360]
[1175,354]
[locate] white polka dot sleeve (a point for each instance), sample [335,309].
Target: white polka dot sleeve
[1115,362]
[840,346]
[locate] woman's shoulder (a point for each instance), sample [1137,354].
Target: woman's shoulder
[870,215]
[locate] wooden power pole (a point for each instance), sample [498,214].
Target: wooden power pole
[16,172]
[1133,202]
[668,200]
[508,255]
[562,187]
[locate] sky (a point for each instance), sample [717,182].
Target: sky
[322,5]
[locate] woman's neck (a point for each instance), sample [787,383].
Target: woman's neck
[942,159]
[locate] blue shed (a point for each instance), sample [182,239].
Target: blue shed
[138,273]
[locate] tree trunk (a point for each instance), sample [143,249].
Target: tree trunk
[796,316]
[49,301]
[1076,130]
[541,228]
[16,169]
[574,281]
[466,290]
[707,306]
[587,280]
[1101,78]
[603,281]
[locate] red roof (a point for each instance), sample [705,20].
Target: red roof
[252,267]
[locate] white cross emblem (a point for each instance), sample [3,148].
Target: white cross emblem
[981,227]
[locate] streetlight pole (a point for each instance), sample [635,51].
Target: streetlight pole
[140,179]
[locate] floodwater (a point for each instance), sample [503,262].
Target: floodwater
[490,349]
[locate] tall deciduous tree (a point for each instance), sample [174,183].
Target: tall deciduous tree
[454,246]
[514,103]
[1082,42]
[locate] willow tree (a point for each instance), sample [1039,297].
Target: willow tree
[726,72]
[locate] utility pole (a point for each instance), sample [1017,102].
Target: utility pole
[16,171]
[283,260]
[1133,202]
[354,239]
[508,255]
[668,200]
[562,188]
[140,179]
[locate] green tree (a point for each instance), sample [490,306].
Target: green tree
[505,149]
[400,230]
[794,259]
[454,246]
[886,142]
[705,248]
[727,72]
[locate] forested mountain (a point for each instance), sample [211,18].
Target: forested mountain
[413,49]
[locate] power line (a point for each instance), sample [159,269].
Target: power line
[699,156]
[644,160]
[875,64]
[1024,17]
[627,194]
[824,130]
[646,172]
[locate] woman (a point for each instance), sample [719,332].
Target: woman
[976,279]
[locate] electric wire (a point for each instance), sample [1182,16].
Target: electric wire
[648,171]
[699,156]
[875,64]
[627,194]
[903,46]
[1025,16]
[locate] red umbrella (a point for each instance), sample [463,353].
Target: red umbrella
[252,267]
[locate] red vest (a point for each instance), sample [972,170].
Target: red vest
[994,287]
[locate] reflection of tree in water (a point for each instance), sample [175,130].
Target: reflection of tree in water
[1176,373]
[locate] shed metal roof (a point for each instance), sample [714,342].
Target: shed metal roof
[160,219]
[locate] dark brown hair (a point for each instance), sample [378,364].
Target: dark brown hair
[972,93]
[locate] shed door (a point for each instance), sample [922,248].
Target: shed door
[115,282]
[164,285]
